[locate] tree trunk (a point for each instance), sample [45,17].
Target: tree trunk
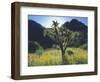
[63,58]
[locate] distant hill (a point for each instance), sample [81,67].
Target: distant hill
[36,30]
[75,25]
[35,34]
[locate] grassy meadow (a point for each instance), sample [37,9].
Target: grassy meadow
[54,57]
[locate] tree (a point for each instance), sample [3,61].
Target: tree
[62,37]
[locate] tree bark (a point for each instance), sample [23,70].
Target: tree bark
[63,58]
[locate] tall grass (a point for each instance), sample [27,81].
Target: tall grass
[48,57]
[79,56]
[54,57]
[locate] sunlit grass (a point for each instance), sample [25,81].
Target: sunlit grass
[54,57]
[79,56]
[48,57]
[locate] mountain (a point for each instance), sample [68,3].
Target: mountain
[75,25]
[35,30]
[35,34]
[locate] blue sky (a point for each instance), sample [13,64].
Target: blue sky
[46,21]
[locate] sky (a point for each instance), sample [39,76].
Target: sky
[46,21]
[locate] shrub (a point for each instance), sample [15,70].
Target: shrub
[84,46]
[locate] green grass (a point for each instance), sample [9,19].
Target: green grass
[54,57]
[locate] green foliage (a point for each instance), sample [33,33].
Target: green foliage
[84,46]
[69,52]
[39,49]
[55,46]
